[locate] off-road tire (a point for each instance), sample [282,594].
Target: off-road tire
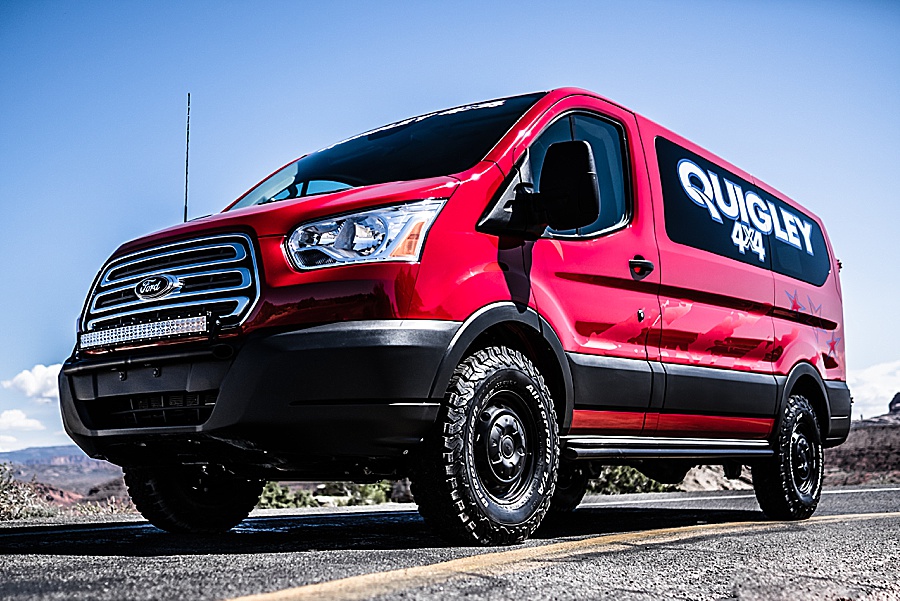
[189,500]
[571,484]
[789,485]
[488,469]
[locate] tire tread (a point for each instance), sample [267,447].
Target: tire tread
[772,480]
[438,485]
[158,499]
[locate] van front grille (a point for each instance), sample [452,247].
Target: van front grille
[215,276]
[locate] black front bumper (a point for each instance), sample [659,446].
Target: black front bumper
[338,392]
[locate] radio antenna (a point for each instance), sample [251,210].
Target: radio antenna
[187,155]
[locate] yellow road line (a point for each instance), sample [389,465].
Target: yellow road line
[383,583]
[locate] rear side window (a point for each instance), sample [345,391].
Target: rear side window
[710,208]
[795,260]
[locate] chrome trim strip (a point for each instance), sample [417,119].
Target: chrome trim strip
[240,255]
[173,271]
[600,442]
[176,294]
[633,447]
[242,302]
[241,243]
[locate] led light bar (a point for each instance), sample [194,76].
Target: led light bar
[145,331]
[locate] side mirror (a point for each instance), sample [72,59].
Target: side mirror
[570,193]
[569,197]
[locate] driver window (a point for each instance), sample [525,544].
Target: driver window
[561,131]
[606,140]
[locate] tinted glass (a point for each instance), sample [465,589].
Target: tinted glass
[560,131]
[796,260]
[606,141]
[431,145]
[710,208]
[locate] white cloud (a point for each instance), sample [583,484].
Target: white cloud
[38,383]
[15,419]
[873,388]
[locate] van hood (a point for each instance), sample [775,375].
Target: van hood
[279,218]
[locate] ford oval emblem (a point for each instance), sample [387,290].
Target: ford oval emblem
[156,286]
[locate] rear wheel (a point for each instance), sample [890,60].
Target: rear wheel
[197,500]
[789,485]
[488,469]
[571,484]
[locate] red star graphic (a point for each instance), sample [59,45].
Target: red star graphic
[795,301]
[832,343]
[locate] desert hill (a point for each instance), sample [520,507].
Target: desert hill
[63,467]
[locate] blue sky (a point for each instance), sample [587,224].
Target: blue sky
[804,95]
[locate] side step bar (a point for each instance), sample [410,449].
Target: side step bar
[636,447]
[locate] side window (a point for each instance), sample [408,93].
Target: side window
[710,208]
[561,131]
[799,247]
[606,141]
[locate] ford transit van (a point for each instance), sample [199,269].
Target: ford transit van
[494,300]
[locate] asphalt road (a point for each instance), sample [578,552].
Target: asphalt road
[661,546]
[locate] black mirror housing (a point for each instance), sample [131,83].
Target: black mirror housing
[570,192]
[569,197]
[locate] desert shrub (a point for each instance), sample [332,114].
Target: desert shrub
[276,496]
[108,506]
[370,494]
[622,479]
[20,499]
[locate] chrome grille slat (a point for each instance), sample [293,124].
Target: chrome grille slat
[242,303]
[222,281]
[116,265]
[246,282]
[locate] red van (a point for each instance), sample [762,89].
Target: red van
[494,300]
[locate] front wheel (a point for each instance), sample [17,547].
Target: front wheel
[789,485]
[488,469]
[196,500]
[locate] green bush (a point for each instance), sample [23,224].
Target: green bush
[275,496]
[622,479]
[613,480]
[370,494]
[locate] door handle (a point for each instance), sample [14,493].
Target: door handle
[640,267]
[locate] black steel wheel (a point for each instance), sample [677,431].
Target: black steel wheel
[789,485]
[192,499]
[487,471]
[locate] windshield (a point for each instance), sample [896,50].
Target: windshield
[430,145]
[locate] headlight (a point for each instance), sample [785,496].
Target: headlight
[394,233]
